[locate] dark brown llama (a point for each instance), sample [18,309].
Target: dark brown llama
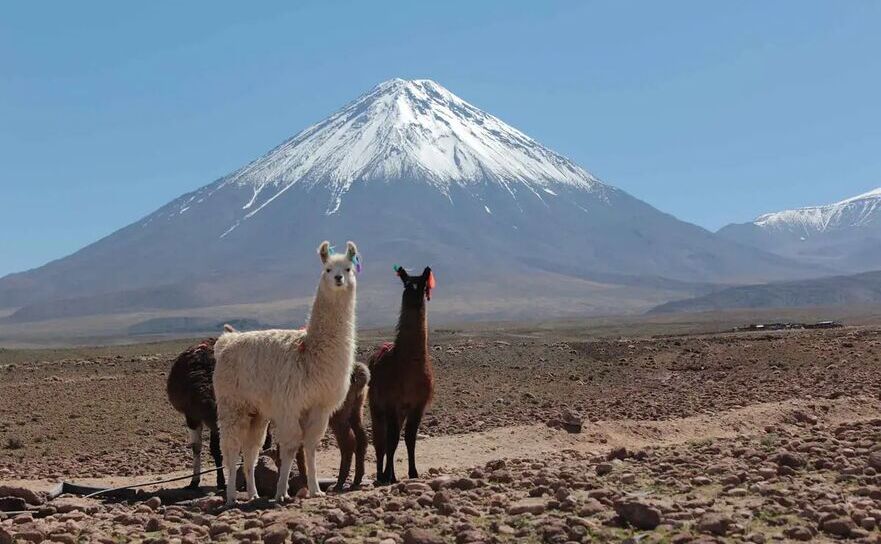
[348,429]
[401,383]
[191,392]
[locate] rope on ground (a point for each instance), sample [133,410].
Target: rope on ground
[146,484]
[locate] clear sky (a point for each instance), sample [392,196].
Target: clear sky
[712,111]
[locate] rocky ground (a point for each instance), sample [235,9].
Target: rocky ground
[812,473]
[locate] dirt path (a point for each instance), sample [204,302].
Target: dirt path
[449,453]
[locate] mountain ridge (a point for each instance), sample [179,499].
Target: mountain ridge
[493,192]
[844,236]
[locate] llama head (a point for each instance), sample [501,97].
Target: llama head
[339,269]
[417,289]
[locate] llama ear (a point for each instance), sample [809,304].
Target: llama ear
[351,250]
[324,251]
[399,270]
[426,273]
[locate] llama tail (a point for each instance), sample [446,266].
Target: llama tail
[360,377]
[229,328]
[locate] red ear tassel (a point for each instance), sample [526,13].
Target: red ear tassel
[431,281]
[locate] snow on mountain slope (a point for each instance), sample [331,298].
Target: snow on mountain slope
[851,212]
[416,176]
[406,130]
[845,235]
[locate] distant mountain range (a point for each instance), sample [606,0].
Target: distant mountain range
[855,289]
[417,176]
[843,236]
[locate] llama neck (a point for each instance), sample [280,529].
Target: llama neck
[412,337]
[332,321]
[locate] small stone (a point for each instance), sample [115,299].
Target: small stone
[638,514]
[12,504]
[219,528]
[790,459]
[572,421]
[153,503]
[604,468]
[64,505]
[838,526]
[798,533]
[468,483]
[875,460]
[415,535]
[716,524]
[531,506]
[153,524]
[276,533]
[21,492]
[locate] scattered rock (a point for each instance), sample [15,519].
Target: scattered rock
[842,526]
[715,524]
[12,504]
[604,468]
[638,514]
[530,506]
[415,535]
[276,533]
[29,496]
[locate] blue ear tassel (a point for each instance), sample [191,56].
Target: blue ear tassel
[331,250]
[356,260]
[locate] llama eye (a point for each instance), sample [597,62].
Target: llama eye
[348,270]
[328,270]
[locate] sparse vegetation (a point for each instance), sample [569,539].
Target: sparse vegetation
[13,443]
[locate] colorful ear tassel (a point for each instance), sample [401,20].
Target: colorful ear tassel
[356,260]
[431,281]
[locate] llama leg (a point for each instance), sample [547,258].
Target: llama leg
[360,449]
[214,445]
[290,436]
[232,431]
[380,429]
[410,432]
[393,436]
[301,466]
[345,439]
[251,451]
[314,427]
[195,441]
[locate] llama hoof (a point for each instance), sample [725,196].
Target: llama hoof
[316,493]
[192,485]
[413,474]
[281,499]
[230,503]
[338,487]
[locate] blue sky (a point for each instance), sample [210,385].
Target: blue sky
[712,111]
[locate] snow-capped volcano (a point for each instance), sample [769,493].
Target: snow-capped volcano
[857,211]
[845,235]
[406,130]
[417,176]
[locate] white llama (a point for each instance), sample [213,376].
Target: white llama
[295,378]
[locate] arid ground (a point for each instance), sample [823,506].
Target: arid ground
[686,436]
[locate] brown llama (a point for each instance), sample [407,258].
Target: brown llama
[401,383]
[191,392]
[348,429]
